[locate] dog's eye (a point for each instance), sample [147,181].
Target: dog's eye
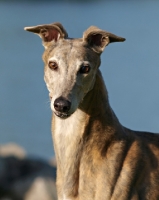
[84,69]
[53,65]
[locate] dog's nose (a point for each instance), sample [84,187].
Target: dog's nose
[62,105]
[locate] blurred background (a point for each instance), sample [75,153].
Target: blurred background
[130,69]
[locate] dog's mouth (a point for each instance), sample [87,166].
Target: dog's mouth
[62,115]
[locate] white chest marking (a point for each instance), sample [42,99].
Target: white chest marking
[68,132]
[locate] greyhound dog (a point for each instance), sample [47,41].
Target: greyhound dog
[97,157]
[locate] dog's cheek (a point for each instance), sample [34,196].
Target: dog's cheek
[88,82]
[49,82]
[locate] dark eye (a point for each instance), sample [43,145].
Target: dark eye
[53,65]
[84,69]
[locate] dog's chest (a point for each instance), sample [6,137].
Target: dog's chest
[68,133]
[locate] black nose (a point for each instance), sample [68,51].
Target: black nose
[62,105]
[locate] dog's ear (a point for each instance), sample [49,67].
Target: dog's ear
[49,32]
[98,39]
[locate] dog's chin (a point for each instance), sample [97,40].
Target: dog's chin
[62,115]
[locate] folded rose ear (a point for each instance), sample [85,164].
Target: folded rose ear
[98,39]
[49,32]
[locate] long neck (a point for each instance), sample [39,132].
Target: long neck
[102,125]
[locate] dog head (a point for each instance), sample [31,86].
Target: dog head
[71,64]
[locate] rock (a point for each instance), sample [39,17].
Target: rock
[12,149]
[42,189]
[26,179]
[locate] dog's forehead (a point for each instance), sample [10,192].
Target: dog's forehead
[71,49]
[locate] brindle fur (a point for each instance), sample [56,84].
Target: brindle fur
[97,158]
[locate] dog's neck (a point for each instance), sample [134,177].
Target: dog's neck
[96,103]
[92,122]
